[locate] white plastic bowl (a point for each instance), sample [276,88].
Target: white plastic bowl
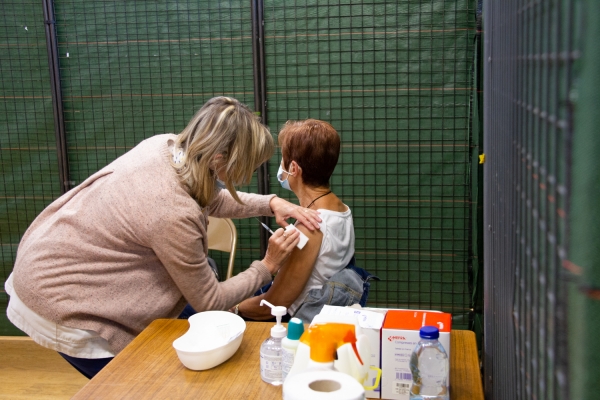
[213,337]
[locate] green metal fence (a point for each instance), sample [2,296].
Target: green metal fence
[542,184]
[28,156]
[395,78]
[584,221]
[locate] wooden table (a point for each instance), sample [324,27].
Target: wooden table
[148,368]
[29,371]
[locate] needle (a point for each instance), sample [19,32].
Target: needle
[265,226]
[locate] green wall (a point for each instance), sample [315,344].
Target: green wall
[393,77]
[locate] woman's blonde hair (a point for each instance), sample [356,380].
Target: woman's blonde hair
[226,127]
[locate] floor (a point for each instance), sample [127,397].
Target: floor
[30,371]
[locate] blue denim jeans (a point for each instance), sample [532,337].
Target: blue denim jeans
[346,287]
[366,277]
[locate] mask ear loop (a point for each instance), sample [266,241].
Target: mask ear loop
[289,173]
[215,161]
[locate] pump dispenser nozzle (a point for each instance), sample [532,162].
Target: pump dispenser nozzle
[277,331]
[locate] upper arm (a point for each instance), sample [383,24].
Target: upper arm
[290,280]
[292,277]
[254,205]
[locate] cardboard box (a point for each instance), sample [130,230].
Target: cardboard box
[399,336]
[370,321]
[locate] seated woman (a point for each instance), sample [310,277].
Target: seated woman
[310,151]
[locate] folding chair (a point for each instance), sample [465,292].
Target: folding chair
[222,236]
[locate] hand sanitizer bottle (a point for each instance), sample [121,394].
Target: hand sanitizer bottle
[270,350]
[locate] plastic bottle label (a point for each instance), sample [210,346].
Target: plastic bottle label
[270,367]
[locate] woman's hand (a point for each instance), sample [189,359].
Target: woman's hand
[281,244]
[284,209]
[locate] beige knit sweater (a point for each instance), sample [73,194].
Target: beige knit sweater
[127,246]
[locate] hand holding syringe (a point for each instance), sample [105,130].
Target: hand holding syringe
[289,228]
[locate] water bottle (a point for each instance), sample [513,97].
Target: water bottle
[429,367]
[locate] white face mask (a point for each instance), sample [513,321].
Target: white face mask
[284,182]
[221,184]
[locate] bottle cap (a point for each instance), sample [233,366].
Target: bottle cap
[295,328]
[278,330]
[429,332]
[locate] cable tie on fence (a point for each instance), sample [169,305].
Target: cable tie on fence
[50,22]
[572,267]
[590,292]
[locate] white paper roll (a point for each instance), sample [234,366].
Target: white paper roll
[322,385]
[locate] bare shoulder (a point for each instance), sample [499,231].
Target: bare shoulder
[316,234]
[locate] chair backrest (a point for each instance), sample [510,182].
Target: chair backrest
[222,236]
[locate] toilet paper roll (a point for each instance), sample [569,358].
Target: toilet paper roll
[322,385]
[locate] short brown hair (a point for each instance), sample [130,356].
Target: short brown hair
[314,145]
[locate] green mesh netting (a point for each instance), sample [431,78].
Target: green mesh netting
[394,77]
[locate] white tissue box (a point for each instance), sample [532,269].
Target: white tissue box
[399,336]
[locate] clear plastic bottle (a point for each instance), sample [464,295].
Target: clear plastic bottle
[429,367]
[270,350]
[289,345]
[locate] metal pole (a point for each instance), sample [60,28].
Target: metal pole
[57,104]
[260,103]
[488,330]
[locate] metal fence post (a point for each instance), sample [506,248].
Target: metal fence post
[57,104]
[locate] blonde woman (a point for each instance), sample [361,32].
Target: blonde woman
[128,245]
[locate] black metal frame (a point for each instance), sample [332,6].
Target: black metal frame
[260,103]
[57,103]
